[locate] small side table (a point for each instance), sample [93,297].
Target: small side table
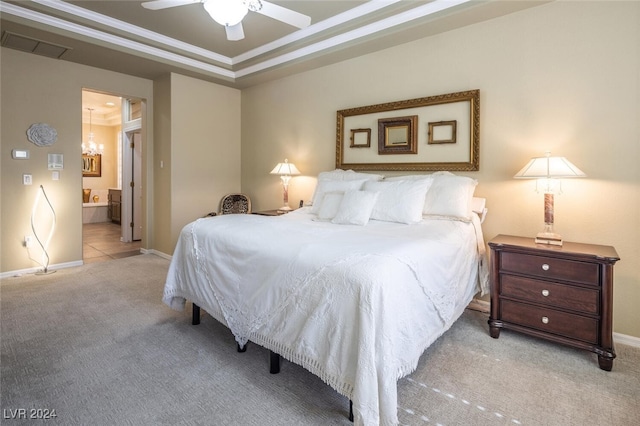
[562,294]
[270,212]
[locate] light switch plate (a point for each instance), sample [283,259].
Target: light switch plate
[27,179]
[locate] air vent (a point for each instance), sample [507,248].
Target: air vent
[32,45]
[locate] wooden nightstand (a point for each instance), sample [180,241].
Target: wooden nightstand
[270,213]
[563,294]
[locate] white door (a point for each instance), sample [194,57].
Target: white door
[131,171]
[136,190]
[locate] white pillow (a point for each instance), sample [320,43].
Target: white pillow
[450,195]
[355,208]
[341,175]
[333,186]
[329,205]
[399,200]
[408,177]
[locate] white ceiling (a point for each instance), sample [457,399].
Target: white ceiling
[101,109]
[123,36]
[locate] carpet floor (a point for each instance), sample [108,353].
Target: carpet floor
[95,345]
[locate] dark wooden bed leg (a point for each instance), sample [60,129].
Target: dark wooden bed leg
[195,315]
[350,410]
[274,363]
[242,348]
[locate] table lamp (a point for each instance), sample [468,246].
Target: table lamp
[285,170]
[548,171]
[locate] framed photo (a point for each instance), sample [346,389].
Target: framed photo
[91,165]
[360,138]
[442,132]
[398,135]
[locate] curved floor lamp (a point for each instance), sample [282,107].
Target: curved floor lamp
[45,254]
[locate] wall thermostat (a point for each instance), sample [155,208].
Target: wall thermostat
[20,154]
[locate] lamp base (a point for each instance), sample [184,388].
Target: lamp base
[285,209]
[549,238]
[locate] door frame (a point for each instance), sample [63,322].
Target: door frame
[129,163]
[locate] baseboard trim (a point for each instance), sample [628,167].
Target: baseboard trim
[157,253]
[479,305]
[55,267]
[21,272]
[625,339]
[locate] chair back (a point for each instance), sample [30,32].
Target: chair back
[235,204]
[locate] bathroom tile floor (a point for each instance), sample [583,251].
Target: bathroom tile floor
[101,241]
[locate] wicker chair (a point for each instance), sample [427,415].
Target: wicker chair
[235,204]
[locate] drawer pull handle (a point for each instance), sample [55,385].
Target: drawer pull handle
[545,320]
[545,293]
[545,266]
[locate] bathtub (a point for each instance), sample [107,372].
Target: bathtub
[95,212]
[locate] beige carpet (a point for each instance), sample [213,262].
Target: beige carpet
[96,345]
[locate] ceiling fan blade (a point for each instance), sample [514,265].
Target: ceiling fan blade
[285,15]
[234,32]
[165,4]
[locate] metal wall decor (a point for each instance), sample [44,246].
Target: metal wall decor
[41,134]
[440,132]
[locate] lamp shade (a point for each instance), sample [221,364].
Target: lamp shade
[548,171]
[285,168]
[549,167]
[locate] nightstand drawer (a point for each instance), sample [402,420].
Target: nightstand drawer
[551,321]
[551,268]
[554,295]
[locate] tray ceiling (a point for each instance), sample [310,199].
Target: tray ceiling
[125,37]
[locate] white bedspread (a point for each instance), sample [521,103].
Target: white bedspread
[355,305]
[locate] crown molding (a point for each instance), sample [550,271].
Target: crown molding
[141,49]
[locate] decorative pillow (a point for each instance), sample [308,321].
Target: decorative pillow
[341,175]
[333,186]
[450,195]
[355,208]
[329,205]
[399,200]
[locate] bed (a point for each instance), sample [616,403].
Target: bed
[354,297]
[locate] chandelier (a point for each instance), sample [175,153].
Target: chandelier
[91,147]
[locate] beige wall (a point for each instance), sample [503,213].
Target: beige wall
[37,89]
[162,163]
[563,77]
[199,145]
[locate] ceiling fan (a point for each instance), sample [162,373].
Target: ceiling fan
[231,12]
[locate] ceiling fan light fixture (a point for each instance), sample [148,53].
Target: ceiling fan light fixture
[226,12]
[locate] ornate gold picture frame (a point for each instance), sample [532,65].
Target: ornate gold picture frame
[442,132]
[398,135]
[463,154]
[360,138]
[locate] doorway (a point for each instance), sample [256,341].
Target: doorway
[112,132]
